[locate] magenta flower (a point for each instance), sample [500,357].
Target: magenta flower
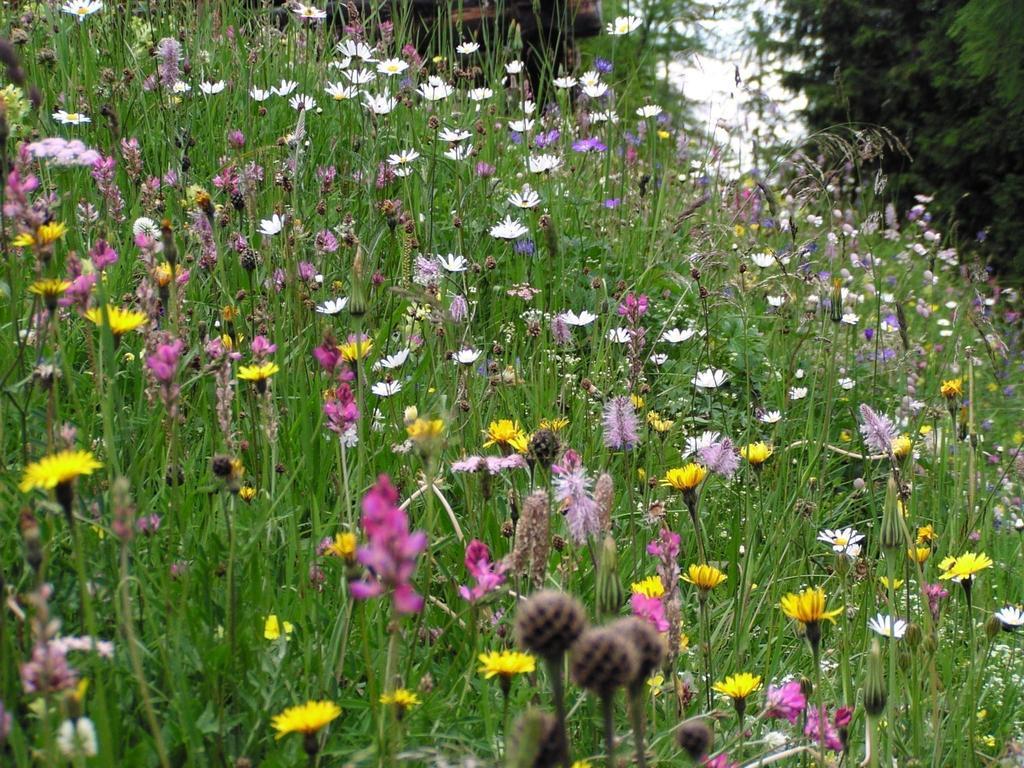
[821,730]
[488,575]
[163,363]
[633,307]
[102,255]
[651,609]
[719,761]
[391,550]
[261,347]
[492,464]
[786,701]
[341,410]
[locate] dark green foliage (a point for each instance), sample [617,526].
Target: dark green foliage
[945,76]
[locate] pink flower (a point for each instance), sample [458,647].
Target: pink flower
[261,347]
[821,730]
[651,609]
[786,701]
[488,575]
[391,550]
[163,363]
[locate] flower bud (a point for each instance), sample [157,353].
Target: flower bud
[894,534]
[875,693]
[610,594]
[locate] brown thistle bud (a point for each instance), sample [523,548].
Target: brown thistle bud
[544,447]
[648,645]
[603,660]
[549,622]
[695,738]
[604,495]
[538,742]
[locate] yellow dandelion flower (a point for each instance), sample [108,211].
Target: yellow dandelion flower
[637,401]
[272,627]
[738,687]
[649,587]
[44,235]
[247,493]
[344,545]
[505,432]
[306,718]
[258,373]
[657,423]
[919,554]
[901,447]
[704,577]
[356,349]
[684,642]
[964,567]
[58,469]
[952,389]
[425,430]
[120,321]
[808,607]
[884,581]
[756,453]
[926,534]
[555,425]
[402,698]
[50,290]
[685,478]
[507,664]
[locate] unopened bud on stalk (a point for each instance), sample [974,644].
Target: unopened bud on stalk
[875,693]
[610,594]
[894,536]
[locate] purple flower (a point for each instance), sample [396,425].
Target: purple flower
[163,363]
[325,241]
[391,550]
[935,593]
[786,701]
[720,457]
[604,66]
[261,347]
[488,575]
[168,54]
[459,308]
[492,464]
[588,145]
[572,490]
[821,730]
[620,424]
[877,429]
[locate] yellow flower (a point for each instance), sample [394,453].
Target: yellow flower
[272,627]
[756,453]
[919,554]
[884,581]
[581,764]
[704,577]
[425,430]
[505,432]
[354,350]
[658,424]
[506,663]
[306,718]
[247,493]
[808,607]
[965,566]
[663,134]
[50,289]
[738,687]
[685,478]
[45,235]
[952,389]
[555,425]
[637,401]
[402,698]
[258,373]
[121,321]
[58,469]
[901,447]
[163,272]
[926,534]
[684,642]
[649,587]
[344,545]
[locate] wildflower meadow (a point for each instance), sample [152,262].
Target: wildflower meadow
[369,397]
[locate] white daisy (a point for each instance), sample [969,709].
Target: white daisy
[618,335]
[844,541]
[527,197]
[397,360]
[403,157]
[271,226]
[797,393]
[340,92]
[211,88]
[523,125]
[590,77]
[604,117]
[887,626]
[453,135]
[380,104]
[453,262]
[458,152]
[514,67]
[649,110]
[308,12]
[82,8]
[435,89]
[467,47]
[332,306]
[770,417]
[581,320]
[392,67]
[776,301]
[284,88]
[710,378]
[543,163]
[1011,617]
[595,91]
[699,442]
[565,82]
[181,87]
[301,102]
[466,356]
[480,94]
[259,94]
[850,318]
[386,388]
[355,50]
[846,383]
[623,25]
[659,358]
[508,229]
[677,336]
[360,76]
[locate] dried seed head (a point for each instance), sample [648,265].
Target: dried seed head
[549,622]
[695,738]
[533,544]
[603,660]
[649,647]
[544,447]
[538,741]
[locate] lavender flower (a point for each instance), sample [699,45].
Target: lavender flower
[168,54]
[620,424]
[720,457]
[572,490]
[877,429]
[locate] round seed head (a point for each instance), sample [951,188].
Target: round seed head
[549,622]
[603,660]
[695,738]
[650,648]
